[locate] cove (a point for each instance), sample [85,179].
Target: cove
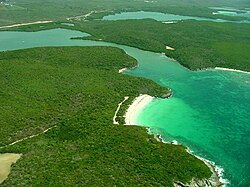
[209,111]
[161,17]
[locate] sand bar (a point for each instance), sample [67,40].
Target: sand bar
[6,160]
[235,70]
[138,104]
[22,24]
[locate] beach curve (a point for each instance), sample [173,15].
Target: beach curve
[134,109]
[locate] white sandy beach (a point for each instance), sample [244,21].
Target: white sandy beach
[235,70]
[170,48]
[122,70]
[169,22]
[138,104]
[125,69]
[22,24]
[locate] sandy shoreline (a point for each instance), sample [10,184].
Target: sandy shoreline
[23,24]
[138,104]
[234,70]
[122,70]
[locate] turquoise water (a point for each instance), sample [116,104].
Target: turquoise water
[160,17]
[209,111]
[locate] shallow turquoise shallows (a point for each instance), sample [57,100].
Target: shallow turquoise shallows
[161,17]
[209,111]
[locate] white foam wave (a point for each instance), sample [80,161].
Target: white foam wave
[218,169]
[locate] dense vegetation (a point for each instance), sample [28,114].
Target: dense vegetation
[29,10]
[78,89]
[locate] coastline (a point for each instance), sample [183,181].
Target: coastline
[137,105]
[216,178]
[125,69]
[234,70]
